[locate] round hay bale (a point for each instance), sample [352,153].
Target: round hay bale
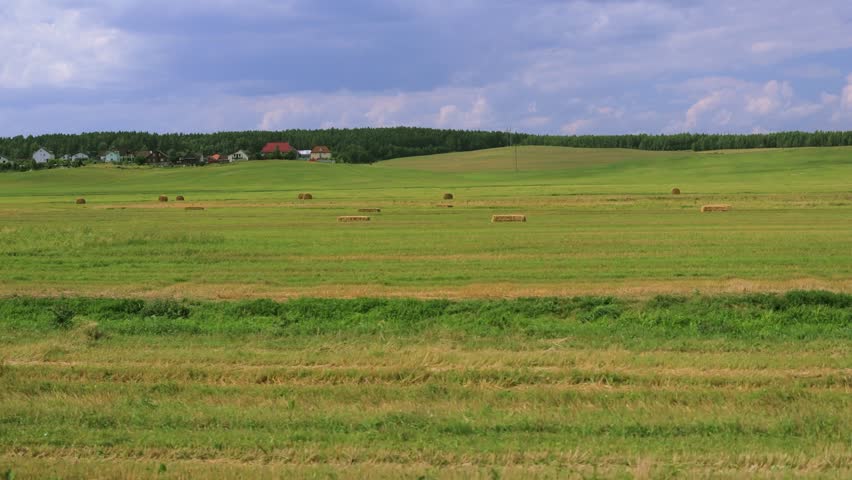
[308,196]
[179,198]
[301,196]
[81,201]
[163,198]
[448,196]
[675,191]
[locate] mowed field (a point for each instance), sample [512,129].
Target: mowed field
[618,333]
[754,386]
[599,221]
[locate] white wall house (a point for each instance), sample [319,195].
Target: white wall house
[112,157]
[79,156]
[4,160]
[42,156]
[305,154]
[238,155]
[320,153]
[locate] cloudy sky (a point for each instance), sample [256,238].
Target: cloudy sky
[546,66]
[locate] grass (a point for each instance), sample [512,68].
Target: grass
[618,333]
[600,222]
[696,386]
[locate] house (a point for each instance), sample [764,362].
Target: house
[79,156]
[42,155]
[4,160]
[217,158]
[238,155]
[320,153]
[306,154]
[152,156]
[190,159]
[112,157]
[270,148]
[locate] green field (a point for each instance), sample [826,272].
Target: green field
[600,221]
[618,333]
[690,387]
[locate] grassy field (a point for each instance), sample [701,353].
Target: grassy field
[691,387]
[617,333]
[600,221]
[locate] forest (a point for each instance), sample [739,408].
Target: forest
[367,145]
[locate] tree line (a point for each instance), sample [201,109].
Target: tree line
[367,145]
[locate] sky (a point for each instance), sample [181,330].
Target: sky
[539,66]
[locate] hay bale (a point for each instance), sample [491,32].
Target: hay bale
[448,196]
[355,218]
[370,210]
[81,201]
[444,205]
[675,191]
[163,198]
[508,218]
[305,196]
[179,198]
[193,208]
[301,196]
[715,208]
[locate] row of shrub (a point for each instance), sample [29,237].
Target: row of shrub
[797,314]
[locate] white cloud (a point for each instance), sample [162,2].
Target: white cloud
[443,108]
[775,95]
[47,45]
[706,104]
[642,39]
[728,104]
[846,95]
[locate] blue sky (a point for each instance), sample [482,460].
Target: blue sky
[562,67]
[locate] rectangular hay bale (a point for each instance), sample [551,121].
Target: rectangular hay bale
[370,210]
[715,208]
[508,218]
[353,218]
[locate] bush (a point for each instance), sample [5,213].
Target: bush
[63,315]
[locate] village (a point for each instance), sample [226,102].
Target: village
[44,158]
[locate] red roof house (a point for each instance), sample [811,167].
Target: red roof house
[282,147]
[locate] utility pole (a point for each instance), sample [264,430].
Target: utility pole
[516,157]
